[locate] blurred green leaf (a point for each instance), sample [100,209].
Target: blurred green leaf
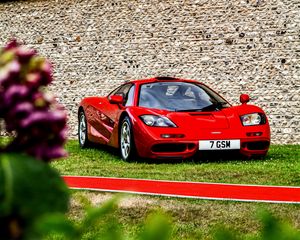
[223,233]
[94,214]
[28,190]
[111,230]
[57,223]
[157,227]
[83,200]
[273,229]
[101,222]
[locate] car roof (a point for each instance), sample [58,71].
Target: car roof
[162,79]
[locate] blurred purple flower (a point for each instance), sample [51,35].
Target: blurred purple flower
[12,44]
[15,93]
[37,119]
[46,73]
[46,152]
[44,118]
[20,111]
[24,55]
[33,80]
[9,73]
[14,67]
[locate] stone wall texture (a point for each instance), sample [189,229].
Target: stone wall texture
[238,46]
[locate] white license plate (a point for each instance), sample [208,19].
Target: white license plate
[219,144]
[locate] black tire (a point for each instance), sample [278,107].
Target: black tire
[126,140]
[82,130]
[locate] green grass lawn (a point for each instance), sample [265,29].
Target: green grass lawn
[192,218]
[280,167]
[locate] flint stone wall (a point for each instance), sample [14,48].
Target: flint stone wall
[235,47]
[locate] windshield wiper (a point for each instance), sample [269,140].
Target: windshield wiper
[221,105]
[189,110]
[214,106]
[210,107]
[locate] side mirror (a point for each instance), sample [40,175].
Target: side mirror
[116,99]
[244,98]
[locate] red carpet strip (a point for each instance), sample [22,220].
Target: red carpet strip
[217,191]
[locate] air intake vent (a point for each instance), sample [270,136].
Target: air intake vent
[200,114]
[166,78]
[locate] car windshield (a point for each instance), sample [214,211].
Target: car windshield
[180,97]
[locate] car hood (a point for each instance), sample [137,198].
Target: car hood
[194,120]
[199,120]
[222,119]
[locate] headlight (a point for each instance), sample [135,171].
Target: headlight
[253,119]
[157,121]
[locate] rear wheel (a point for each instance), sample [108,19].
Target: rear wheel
[126,140]
[82,130]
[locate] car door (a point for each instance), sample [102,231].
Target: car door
[110,112]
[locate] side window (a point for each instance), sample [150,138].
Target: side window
[130,96]
[114,91]
[124,90]
[127,92]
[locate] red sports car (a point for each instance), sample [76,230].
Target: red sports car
[167,117]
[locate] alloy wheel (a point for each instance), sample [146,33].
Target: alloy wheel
[82,130]
[125,140]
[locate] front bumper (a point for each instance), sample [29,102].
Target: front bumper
[152,145]
[187,149]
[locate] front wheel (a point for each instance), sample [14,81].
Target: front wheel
[126,140]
